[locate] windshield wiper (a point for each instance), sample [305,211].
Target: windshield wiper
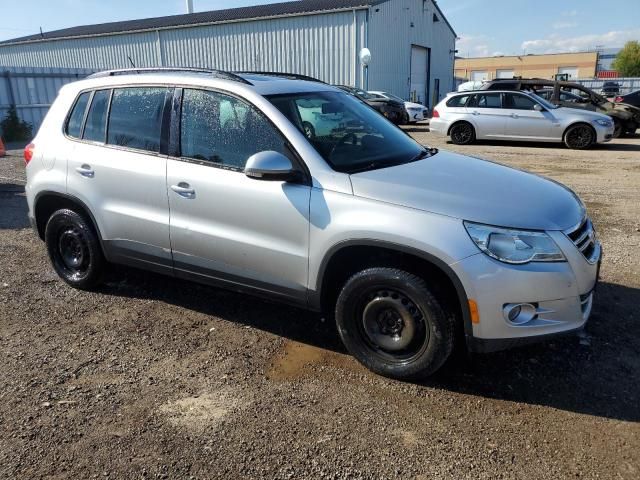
[375,165]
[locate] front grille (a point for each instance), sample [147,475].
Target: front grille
[584,238]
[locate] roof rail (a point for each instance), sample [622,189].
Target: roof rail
[221,74]
[291,76]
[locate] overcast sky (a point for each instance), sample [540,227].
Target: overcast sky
[485,27]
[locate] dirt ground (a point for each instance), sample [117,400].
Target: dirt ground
[154,378]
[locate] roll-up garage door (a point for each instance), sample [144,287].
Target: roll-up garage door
[419,74]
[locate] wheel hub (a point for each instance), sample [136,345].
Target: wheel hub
[390,320]
[70,245]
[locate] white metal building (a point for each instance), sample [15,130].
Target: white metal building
[412,44]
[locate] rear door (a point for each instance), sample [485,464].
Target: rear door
[225,227]
[487,114]
[524,122]
[119,172]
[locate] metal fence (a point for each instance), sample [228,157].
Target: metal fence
[32,90]
[627,85]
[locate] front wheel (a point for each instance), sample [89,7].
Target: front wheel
[390,321]
[579,137]
[462,133]
[74,249]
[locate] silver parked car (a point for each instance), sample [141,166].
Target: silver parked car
[523,116]
[211,176]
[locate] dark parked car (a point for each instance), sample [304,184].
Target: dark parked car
[391,109]
[626,118]
[632,98]
[610,89]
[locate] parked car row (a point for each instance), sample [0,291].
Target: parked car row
[391,106]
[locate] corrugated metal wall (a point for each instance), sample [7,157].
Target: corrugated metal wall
[321,45]
[33,90]
[393,27]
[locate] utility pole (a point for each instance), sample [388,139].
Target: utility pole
[189,6]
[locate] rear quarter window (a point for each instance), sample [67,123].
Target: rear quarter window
[458,101]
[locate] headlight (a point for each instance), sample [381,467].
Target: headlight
[514,246]
[604,123]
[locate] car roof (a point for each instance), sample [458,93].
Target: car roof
[261,83]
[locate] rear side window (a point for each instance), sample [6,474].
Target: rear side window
[74,125]
[135,120]
[94,129]
[222,129]
[488,100]
[458,101]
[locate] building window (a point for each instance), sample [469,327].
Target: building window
[506,73]
[571,72]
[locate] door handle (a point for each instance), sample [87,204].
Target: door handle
[475,112]
[85,171]
[184,190]
[514,115]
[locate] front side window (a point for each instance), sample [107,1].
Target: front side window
[518,102]
[135,119]
[224,130]
[347,133]
[74,125]
[95,127]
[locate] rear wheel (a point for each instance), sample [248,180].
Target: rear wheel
[74,249]
[391,322]
[579,137]
[462,133]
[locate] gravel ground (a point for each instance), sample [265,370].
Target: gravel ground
[154,378]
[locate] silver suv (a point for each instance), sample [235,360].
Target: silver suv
[212,176]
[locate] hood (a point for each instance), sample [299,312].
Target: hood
[414,105]
[588,115]
[385,101]
[473,189]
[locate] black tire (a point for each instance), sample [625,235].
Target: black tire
[579,137]
[462,133]
[617,128]
[309,131]
[390,322]
[74,249]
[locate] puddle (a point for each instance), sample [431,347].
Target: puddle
[295,358]
[201,412]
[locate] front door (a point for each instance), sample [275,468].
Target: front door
[524,121]
[225,227]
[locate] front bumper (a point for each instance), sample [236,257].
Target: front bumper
[603,134]
[561,292]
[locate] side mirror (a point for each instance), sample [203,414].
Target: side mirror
[270,165]
[537,107]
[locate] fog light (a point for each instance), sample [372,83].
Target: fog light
[514,312]
[519,313]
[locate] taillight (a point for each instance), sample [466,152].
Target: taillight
[435,113]
[618,100]
[28,153]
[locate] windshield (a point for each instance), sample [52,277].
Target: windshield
[346,132]
[546,104]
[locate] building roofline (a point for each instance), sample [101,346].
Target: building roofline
[435,3]
[526,55]
[199,19]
